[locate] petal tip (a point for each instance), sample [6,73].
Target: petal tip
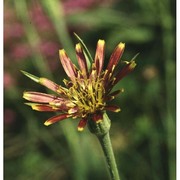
[117,110]
[62,52]
[121,45]
[31,105]
[26,95]
[80,129]
[47,123]
[101,42]
[132,65]
[78,47]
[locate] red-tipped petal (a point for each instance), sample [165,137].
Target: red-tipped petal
[98,117]
[68,66]
[125,71]
[38,97]
[112,95]
[99,56]
[57,118]
[81,60]
[114,59]
[82,124]
[112,108]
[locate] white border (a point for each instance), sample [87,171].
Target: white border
[2,92]
[177,90]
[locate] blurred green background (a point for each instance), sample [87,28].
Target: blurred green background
[143,133]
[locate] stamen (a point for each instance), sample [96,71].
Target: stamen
[87,95]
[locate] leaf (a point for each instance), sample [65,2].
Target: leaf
[86,52]
[34,78]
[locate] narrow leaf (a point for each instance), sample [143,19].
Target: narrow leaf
[34,78]
[87,54]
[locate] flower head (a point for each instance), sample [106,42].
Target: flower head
[87,93]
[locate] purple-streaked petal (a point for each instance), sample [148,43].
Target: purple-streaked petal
[125,71]
[53,86]
[112,108]
[57,118]
[42,107]
[38,97]
[99,56]
[114,59]
[112,95]
[62,104]
[116,55]
[82,124]
[68,66]
[81,60]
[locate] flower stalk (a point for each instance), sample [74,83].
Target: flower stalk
[101,130]
[109,154]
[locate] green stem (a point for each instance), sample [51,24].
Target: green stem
[168,45]
[101,130]
[106,145]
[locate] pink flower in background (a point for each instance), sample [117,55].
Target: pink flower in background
[49,48]
[12,27]
[8,80]
[13,30]
[71,5]
[20,51]
[9,116]
[40,19]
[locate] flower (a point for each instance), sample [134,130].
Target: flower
[71,6]
[89,90]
